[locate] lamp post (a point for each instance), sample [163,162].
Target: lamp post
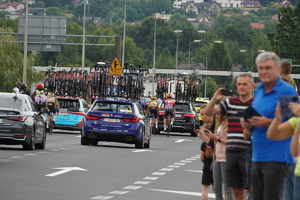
[154,50]
[177,31]
[83,37]
[124,34]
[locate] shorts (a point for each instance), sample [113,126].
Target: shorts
[51,111]
[207,177]
[169,111]
[154,112]
[236,169]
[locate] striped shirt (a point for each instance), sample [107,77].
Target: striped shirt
[235,136]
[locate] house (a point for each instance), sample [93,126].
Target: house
[237,67]
[178,3]
[164,16]
[245,12]
[191,6]
[275,18]
[205,18]
[250,5]
[12,15]
[191,66]
[285,3]
[257,25]
[230,3]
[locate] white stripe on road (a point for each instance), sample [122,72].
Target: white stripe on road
[194,171]
[30,154]
[103,197]
[17,157]
[118,192]
[142,182]
[210,195]
[191,159]
[186,161]
[158,173]
[174,166]
[132,187]
[151,178]
[166,169]
[179,163]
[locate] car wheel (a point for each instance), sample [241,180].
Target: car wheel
[29,146]
[42,145]
[193,134]
[140,144]
[94,142]
[84,140]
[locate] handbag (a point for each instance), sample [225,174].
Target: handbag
[297,168]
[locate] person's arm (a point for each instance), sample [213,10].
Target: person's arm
[295,150]
[212,108]
[247,134]
[202,156]
[218,139]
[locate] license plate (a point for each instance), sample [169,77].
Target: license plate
[1,121]
[177,115]
[111,120]
[63,113]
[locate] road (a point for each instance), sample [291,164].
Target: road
[65,170]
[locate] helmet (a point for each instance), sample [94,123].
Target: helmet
[18,83]
[169,95]
[153,98]
[23,86]
[51,94]
[40,86]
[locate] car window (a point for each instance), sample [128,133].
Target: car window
[68,103]
[10,102]
[141,111]
[113,106]
[27,106]
[183,107]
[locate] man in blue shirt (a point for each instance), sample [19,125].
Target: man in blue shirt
[269,157]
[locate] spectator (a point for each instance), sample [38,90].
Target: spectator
[285,71]
[269,157]
[236,146]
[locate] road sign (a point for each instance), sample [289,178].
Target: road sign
[115,64]
[288,59]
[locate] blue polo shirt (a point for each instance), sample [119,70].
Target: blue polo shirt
[264,149]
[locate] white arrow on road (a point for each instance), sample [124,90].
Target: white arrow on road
[65,170]
[140,150]
[182,140]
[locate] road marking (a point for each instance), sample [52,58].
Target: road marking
[65,170]
[166,169]
[191,159]
[194,171]
[17,157]
[54,150]
[4,160]
[64,148]
[158,173]
[210,195]
[43,152]
[174,166]
[30,154]
[196,157]
[151,178]
[186,161]
[118,192]
[179,163]
[103,197]
[132,187]
[142,182]
[140,150]
[181,140]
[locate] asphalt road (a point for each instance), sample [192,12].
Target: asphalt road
[65,170]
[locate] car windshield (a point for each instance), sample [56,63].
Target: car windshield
[183,107]
[10,103]
[113,106]
[199,104]
[68,103]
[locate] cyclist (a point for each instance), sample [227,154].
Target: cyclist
[17,88]
[51,106]
[39,96]
[152,107]
[144,101]
[169,106]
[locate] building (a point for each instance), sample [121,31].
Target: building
[191,6]
[250,5]
[205,18]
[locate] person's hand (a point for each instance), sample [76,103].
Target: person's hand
[295,108]
[218,96]
[278,113]
[245,124]
[259,121]
[213,136]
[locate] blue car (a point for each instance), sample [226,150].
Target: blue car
[116,120]
[70,113]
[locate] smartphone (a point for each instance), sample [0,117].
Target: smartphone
[227,92]
[249,112]
[284,104]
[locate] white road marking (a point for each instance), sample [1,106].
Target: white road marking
[166,169]
[64,148]
[54,150]
[132,187]
[196,157]
[140,150]
[210,195]
[179,163]
[103,197]
[30,154]
[158,173]
[65,170]
[142,182]
[191,159]
[4,160]
[43,152]
[174,166]
[189,170]
[181,140]
[151,178]
[118,192]
[17,157]
[185,161]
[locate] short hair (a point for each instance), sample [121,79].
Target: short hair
[267,56]
[246,75]
[286,67]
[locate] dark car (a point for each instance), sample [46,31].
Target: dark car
[20,122]
[70,113]
[186,119]
[116,120]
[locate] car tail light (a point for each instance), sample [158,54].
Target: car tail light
[135,119]
[78,113]
[161,113]
[19,118]
[88,116]
[79,124]
[189,115]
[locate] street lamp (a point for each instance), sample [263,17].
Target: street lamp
[177,31]
[154,50]
[124,34]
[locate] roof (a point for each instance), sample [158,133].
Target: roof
[199,5]
[284,3]
[251,4]
[237,67]
[257,25]
[191,66]
[205,15]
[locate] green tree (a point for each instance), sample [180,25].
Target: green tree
[165,60]
[211,87]
[53,11]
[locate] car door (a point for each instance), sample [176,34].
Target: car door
[39,124]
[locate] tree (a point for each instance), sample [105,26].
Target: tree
[211,87]
[53,11]
[165,60]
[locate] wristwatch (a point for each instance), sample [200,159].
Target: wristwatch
[219,139]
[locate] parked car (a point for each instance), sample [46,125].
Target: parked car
[70,113]
[197,105]
[116,120]
[185,118]
[20,122]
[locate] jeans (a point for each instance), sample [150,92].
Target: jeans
[291,189]
[267,180]
[219,177]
